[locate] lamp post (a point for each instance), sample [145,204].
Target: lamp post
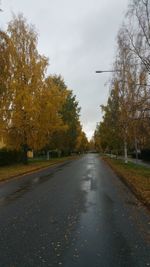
[125,141]
[101,71]
[125,138]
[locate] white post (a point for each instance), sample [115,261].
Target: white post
[136,150]
[47,155]
[125,152]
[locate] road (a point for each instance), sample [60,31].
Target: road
[77,214]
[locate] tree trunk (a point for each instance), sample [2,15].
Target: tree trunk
[25,156]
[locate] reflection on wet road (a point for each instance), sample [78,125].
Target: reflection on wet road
[76,214]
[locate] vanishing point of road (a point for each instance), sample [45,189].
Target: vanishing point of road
[76,214]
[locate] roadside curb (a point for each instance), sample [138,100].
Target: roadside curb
[17,176]
[130,186]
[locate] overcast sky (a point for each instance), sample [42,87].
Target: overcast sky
[79,37]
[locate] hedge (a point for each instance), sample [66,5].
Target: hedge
[8,157]
[145,154]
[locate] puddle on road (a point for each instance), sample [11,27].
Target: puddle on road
[89,181]
[89,186]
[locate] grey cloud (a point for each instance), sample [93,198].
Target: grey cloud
[78,36]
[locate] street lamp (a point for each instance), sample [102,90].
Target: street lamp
[101,71]
[125,142]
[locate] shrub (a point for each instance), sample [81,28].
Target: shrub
[145,154]
[8,157]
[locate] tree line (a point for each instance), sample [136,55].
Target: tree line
[37,110]
[126,116]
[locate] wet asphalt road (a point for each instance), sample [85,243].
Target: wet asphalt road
[76,214]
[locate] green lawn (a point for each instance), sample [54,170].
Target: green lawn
[8,172]
[136,176]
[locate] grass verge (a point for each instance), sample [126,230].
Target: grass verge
[136,177]
[12,171]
